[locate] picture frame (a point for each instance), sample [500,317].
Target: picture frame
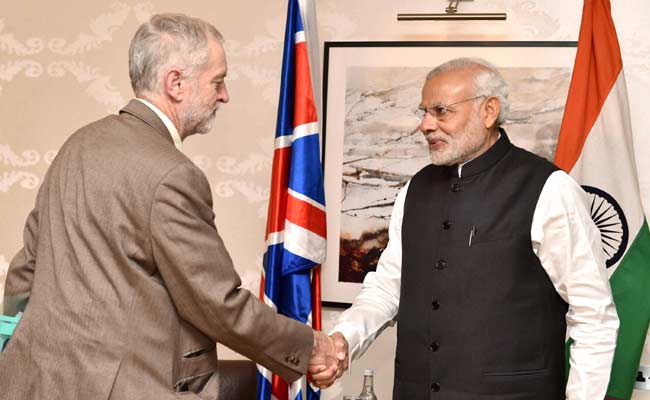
[371,142]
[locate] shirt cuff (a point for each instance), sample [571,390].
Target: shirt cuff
[351,334]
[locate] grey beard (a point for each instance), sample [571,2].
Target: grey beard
[195,123]
[449,159]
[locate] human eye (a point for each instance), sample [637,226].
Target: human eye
[440,111]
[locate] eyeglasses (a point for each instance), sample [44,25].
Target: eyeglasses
[440,111]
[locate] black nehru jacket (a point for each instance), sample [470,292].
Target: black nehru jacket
[479,317]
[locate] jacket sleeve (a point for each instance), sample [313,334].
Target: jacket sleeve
[20,275]
[204,285]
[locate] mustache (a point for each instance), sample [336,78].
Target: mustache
[437,137]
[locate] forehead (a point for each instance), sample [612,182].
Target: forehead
[448,86]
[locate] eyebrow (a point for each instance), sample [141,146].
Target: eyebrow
[432,106]
[220,76]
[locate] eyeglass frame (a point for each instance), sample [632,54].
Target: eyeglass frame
[440,115]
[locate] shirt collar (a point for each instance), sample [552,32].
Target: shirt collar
[168,124]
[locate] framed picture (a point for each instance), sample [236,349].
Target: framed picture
[372,144]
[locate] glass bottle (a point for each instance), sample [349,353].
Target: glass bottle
[368,392]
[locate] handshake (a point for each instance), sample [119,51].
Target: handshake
[329,359]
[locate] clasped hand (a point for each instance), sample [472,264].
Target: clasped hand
[329,358]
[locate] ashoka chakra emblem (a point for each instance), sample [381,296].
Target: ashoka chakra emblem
[608,216]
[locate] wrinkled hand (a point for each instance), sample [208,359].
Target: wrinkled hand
[324,365]
[342,352]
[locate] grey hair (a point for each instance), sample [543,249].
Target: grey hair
[487,81]
[165,41]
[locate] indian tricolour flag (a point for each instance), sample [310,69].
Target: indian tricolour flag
[595,146]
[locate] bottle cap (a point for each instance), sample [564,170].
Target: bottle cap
[368,372]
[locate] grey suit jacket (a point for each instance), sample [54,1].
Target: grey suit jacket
[128,281]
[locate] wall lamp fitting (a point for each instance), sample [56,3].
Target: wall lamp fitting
[452,14]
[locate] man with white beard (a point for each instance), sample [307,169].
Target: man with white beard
[492,258]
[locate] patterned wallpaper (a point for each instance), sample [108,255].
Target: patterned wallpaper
[64,65]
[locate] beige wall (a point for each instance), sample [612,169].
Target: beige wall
[64,64]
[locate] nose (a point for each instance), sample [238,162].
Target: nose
[428,124]
[222,94]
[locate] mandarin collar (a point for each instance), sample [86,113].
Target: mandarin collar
[485,161]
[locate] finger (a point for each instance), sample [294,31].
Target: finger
[325,375]
[324,384]
[318,361]
[317,369]
[317,358]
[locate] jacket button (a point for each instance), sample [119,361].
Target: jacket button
[441,264]
[292,360]
[446,224]
[455,187]
[434,346]
[435,305]
[435,387]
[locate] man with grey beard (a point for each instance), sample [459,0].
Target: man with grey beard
[125,284]
[492,259]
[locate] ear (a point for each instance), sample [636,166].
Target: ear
[491,112]
[175,85]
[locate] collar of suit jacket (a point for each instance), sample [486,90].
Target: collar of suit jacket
[139,110]
[168,124]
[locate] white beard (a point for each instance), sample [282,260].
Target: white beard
[460,146]
[196,119]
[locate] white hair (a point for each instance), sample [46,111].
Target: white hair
[165,41]
[487,81]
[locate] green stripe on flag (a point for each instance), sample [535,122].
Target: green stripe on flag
[631,289]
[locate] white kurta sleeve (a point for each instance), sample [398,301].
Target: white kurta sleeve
[376,306]
[569,247]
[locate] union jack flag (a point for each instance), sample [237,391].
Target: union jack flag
[296,226]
